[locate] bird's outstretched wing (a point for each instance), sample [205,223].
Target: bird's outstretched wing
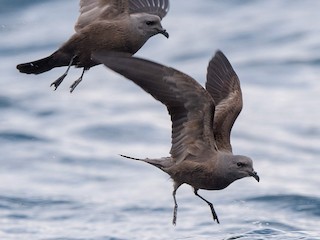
[190,106]
[155,7]
[224,86]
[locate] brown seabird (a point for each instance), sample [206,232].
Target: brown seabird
[104,25]
[202,119]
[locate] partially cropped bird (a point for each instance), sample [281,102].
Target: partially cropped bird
[202,119]
[104,25]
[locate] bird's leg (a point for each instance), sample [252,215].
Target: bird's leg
[75,84]
[175,209]
[215,216]
[57,82]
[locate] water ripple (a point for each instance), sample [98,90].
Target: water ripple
[17,5]
[5,102]
[8,202]
[19,137]
[120,132]
[296,203]
[60,177]
[270,233]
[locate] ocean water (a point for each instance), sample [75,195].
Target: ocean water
[61,176]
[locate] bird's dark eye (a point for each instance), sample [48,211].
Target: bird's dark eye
[240,164]
[150,23]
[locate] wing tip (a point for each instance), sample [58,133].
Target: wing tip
[221,65]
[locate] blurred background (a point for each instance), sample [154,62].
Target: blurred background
[61,176]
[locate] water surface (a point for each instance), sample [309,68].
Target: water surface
[61,176]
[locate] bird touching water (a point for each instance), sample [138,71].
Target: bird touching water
[202,119]
[104,25]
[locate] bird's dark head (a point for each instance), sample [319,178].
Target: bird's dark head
[149,25]
[243,167]
[236,167]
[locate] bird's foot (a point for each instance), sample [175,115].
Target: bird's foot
[175,210]
[57,82]
[75,84]
[215,217]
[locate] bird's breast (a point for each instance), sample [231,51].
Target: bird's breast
[199,176]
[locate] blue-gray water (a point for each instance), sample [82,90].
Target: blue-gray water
[60,173]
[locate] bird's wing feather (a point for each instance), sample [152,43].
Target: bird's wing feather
[190,106]
[224,86]
[92,10]
[155,7]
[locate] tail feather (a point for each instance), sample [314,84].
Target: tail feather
[37,67]
[159,163]
[132,158]
[57,59]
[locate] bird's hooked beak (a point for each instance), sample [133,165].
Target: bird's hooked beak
[255,175]
[164,33]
